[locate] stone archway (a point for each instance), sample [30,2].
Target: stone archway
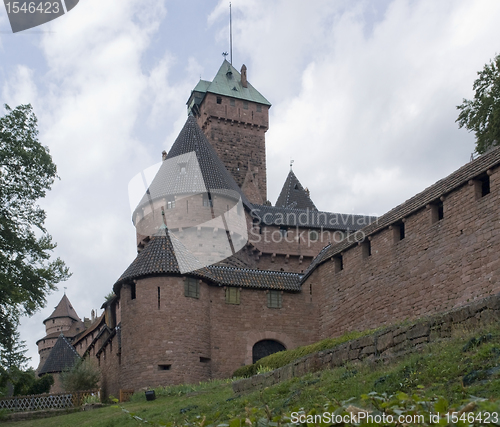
[254,337]
[264,348]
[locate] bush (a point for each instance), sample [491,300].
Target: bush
[83,376]
[42,385]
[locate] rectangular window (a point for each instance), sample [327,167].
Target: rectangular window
[158,297]
[164,367]
[245,105]
[481,185]
[398,230]
[191,288]
[132,291]
[366,248]
[204,359]
[339,263]
[171,204]
[274,299]
[259,108]
[219,100]
[232,295]
[283,231]
[207,202]
[232,103]
[437,211]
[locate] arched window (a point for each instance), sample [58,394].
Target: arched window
[265,348]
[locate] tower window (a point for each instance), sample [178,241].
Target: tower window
[259,108]
[192,288]
[283,231]
[232,295]
[219,100]
[132,292]
[232,102]
[274,299]
[207,202]
[245,105]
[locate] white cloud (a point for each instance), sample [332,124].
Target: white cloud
[363,96]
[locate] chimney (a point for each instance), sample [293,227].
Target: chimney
[244,82]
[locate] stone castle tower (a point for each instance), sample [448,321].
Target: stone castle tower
[234,117]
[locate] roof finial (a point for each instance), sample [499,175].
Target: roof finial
[230,35]
[291,163]
[65,290]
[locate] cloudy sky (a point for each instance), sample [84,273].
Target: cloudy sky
[364,98]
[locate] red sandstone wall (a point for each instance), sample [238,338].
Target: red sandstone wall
[236,328]
[436,267]
[109,363]
[201,338]
[177,334]
[237,135]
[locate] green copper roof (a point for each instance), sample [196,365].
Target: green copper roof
[202,86]
[227,82]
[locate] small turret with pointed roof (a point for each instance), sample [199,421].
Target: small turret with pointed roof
[63,320]
[293,195]
[234,116]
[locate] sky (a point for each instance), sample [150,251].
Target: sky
[363,95]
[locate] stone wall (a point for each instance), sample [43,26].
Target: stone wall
[387,343]
[440,264]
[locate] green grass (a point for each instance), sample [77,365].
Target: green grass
[455,369]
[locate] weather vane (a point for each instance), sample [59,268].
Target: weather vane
[291,163]
[224,54]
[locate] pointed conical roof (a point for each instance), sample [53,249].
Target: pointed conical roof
[163,254]
[293,195]
[64,309]
[62,356]
[192,166]
[227,82]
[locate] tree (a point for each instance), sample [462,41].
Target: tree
[27,274]
[482,114]
[84,375]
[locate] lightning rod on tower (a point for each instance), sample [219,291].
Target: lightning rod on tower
[230,35]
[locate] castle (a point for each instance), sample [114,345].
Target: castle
[223,278]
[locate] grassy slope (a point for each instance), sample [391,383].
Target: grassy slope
[437,370]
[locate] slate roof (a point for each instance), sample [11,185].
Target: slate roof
[64,309]
[158,257]
[257,279]
[192,167]
[274,215]
[62,356]
[431,194]
[227,82]
[293,195]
